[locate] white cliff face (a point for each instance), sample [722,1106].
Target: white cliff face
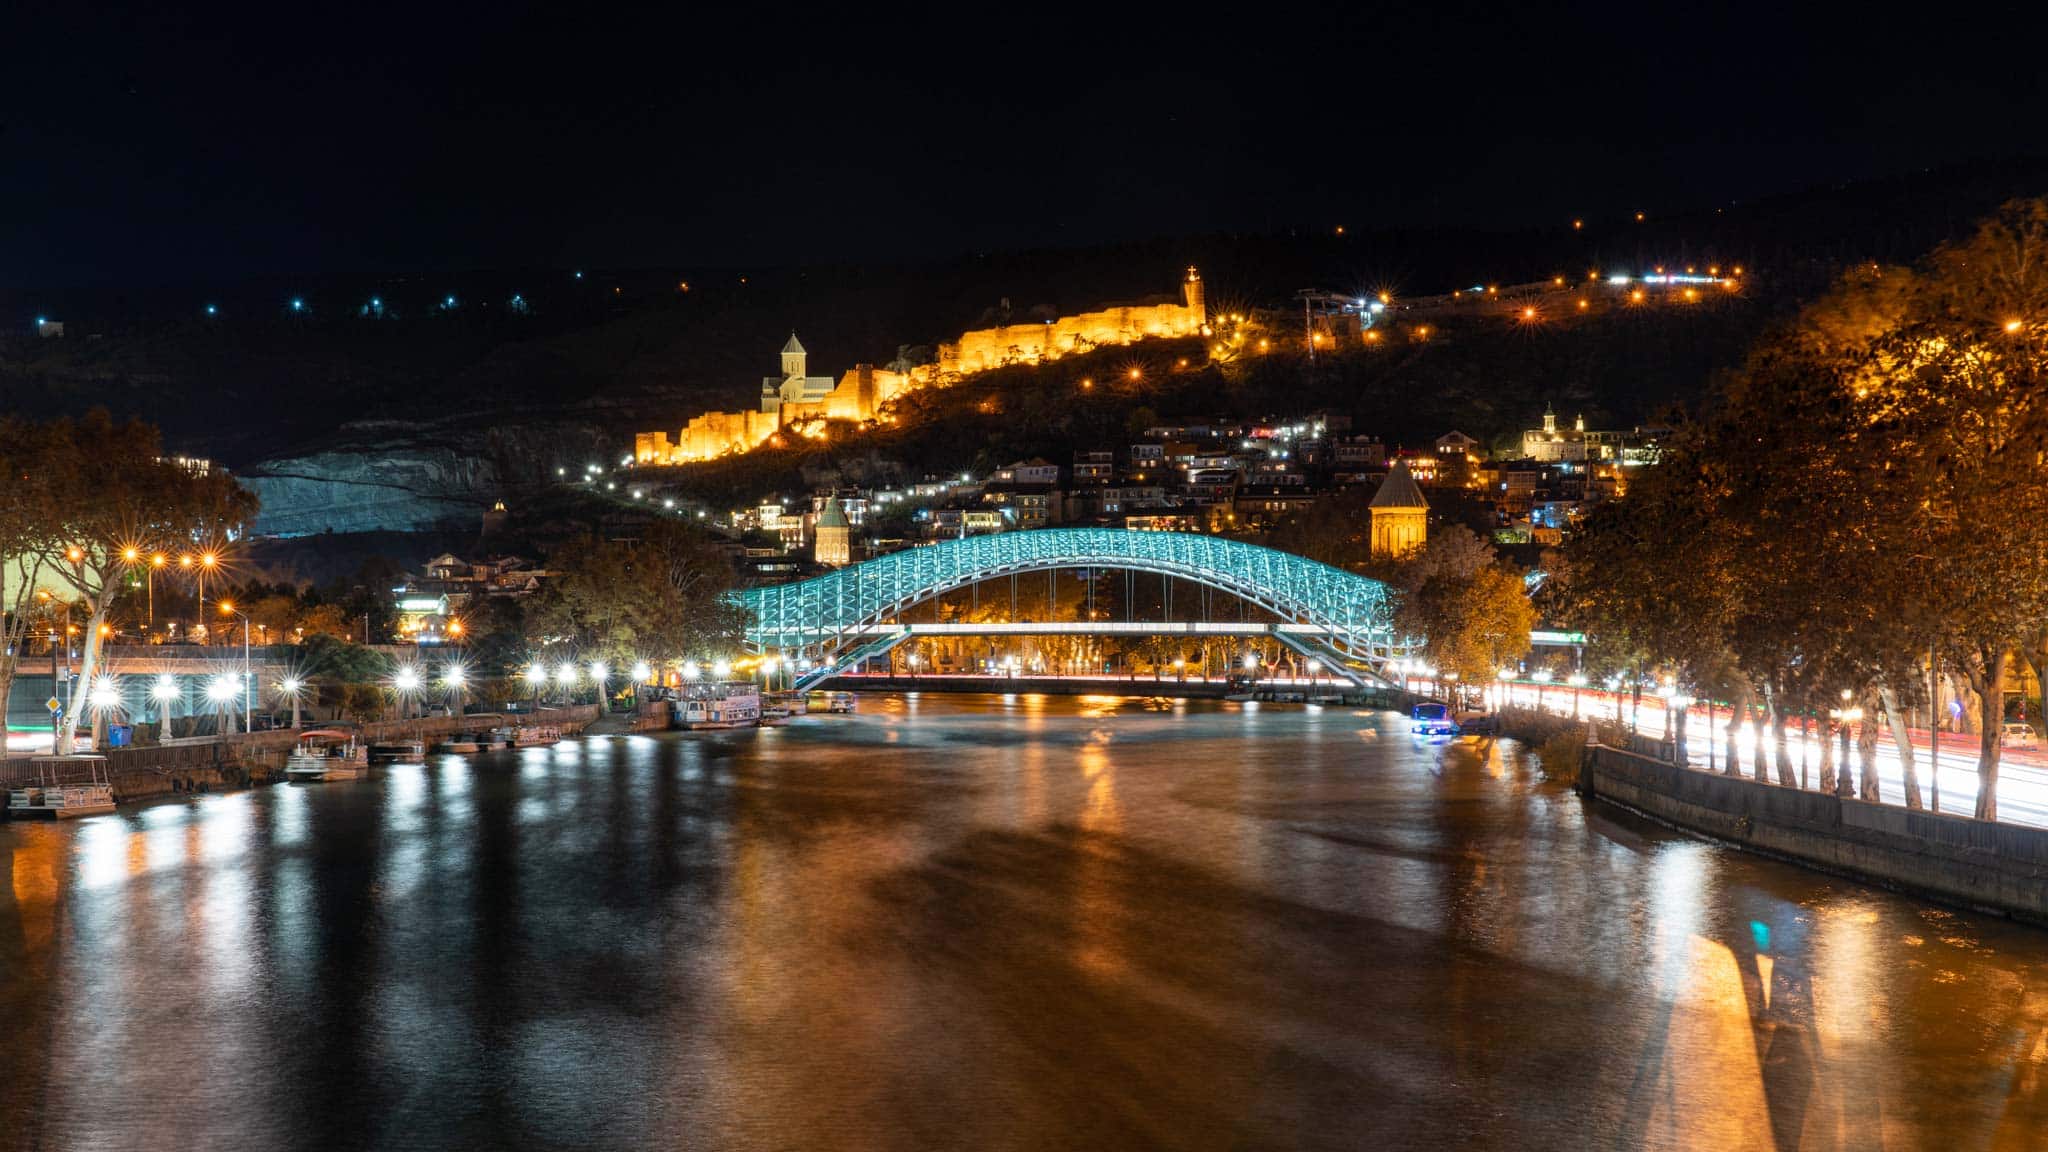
[400,489]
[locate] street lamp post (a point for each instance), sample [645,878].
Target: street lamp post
[1844,783]
[227,608]
[1578,681]
[291,686]
[201,563]
[165,692]
[406,682]
[452,678]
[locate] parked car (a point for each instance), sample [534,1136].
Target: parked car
[2017,735]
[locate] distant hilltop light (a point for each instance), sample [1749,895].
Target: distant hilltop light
[298,305]
[212,310]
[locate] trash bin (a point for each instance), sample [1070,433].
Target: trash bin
[119,735]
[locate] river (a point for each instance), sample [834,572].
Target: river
[1002,922]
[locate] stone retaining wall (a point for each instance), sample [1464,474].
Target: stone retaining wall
[1981,864]
[237,761]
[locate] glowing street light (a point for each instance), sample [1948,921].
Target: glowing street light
[641,672]
[565,675]
[221,690]
[105,695]
[407,680]
[721,669]
[690,670]
[291,688]
[536,675]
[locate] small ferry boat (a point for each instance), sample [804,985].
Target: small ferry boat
[61,788]
[327,754]
[728,705]
[534,736]
[460,745]
[402,750]
[836,702]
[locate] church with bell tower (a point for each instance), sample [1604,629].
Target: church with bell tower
[794,386]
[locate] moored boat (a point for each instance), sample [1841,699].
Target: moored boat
[327,754]
[735,704]
[61,788]
[532,735]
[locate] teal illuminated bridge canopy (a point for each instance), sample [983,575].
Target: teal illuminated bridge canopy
[1349,614]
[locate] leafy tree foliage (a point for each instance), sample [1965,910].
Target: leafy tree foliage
[1868,491]
[1473,610]
[113,497]
[658,598]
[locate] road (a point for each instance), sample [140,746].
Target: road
[2022,775]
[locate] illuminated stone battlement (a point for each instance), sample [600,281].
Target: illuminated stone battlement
[862,395]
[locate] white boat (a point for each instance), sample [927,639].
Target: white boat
[730,705]
[837,701]
[63,787]
[327,754]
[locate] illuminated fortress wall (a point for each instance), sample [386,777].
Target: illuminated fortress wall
[863,394]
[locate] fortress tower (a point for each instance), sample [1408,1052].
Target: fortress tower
[1400,516]
[834,546]
[1195,297]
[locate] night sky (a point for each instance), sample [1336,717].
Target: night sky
[178,147]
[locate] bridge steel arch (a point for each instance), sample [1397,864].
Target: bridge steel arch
[1353,613]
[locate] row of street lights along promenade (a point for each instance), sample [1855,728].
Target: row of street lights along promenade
[410,682]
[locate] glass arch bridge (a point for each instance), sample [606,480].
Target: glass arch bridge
[852,613]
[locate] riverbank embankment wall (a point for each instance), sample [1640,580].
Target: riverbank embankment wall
[212,765]
[1954,859]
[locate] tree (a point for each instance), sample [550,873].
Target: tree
[117,498]
[659,599]
[1866,490]
[1474,613]
[27,520]
[324,620]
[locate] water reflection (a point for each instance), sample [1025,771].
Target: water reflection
[1010,922]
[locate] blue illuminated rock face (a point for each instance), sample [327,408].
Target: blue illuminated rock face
[406,490]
